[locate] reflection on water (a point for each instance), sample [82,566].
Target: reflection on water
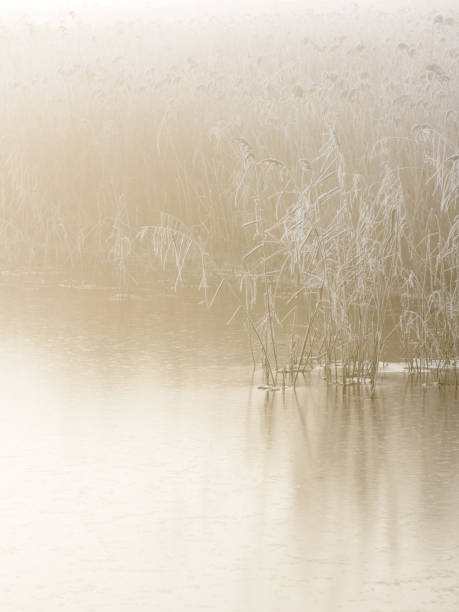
[142,470]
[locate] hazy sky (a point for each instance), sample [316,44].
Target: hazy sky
[52,8]
[108,9]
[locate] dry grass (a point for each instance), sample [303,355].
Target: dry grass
[306,165]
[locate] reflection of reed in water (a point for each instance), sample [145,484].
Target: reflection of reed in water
[369,499]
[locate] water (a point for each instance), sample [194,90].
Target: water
[142,469]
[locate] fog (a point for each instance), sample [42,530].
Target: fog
[54,11]
[229,306]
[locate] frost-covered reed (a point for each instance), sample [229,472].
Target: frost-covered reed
[306,166]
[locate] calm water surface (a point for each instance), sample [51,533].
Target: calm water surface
[142,469]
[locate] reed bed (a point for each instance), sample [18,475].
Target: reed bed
[304,166]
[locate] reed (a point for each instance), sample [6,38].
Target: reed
[307,172]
